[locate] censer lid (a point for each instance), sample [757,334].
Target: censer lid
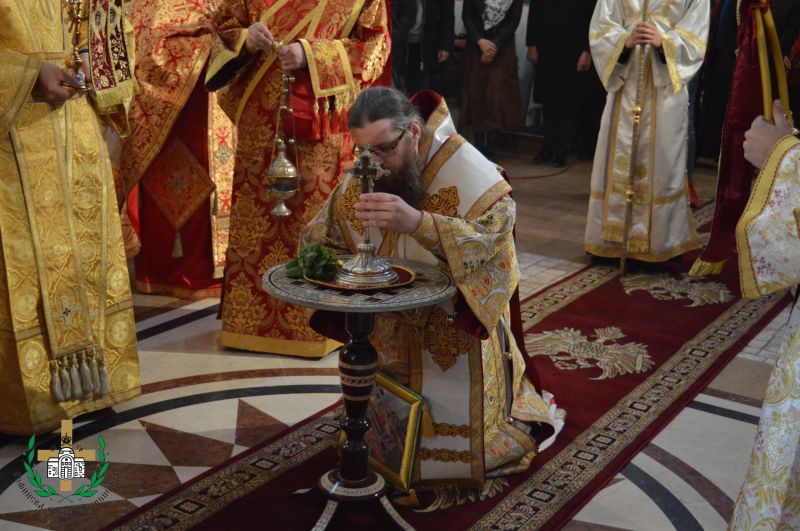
[282,167]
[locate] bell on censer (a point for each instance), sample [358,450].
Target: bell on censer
[283,176]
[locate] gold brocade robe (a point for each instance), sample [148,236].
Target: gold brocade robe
[346,46]
[768,242]
[477,390]
[661,224]
[66,320]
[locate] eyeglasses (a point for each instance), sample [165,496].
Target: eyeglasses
[384,150]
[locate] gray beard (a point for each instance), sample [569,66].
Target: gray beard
[406,183]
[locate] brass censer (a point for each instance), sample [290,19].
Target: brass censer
[283,177]
[366,269]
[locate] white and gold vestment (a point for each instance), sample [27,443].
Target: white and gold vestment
[662,225]
[768,242]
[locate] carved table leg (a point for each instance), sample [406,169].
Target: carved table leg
[353,480]
[358,362]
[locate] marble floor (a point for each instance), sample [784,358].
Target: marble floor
[202,404]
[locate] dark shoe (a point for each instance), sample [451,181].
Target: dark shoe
[544,156]
[559,160]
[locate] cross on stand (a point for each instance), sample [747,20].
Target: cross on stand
[367,170]
[365,268]
[66,442]
[66,312]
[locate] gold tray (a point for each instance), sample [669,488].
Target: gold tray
[405,277]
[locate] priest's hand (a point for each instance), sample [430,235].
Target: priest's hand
[533,55]
[259,38]
[442,56]
[645,33]
[54,85]
[584,62]
[387,211]
[762,136]
[292,57]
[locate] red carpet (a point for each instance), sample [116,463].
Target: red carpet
[656,346]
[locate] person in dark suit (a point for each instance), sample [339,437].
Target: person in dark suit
[423,33]
[558,47]
[404,14]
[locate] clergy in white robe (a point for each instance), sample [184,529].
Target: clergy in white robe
[768,242]
[661,225]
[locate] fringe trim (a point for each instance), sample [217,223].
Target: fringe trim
[80,375]
[701,268]
[331,114]
[105,388]
[55,383]
[66,385]
[325,119]
[177,246]
[77,389]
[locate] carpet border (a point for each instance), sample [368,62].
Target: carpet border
[128,517]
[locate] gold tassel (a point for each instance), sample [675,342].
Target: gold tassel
[701,268]
[77,390]
[427,429]
[177,246]
[55,383]
[66,385]
[86,377]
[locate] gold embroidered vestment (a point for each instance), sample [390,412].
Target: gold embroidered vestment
[67,334]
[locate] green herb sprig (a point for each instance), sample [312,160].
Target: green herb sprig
[313,261]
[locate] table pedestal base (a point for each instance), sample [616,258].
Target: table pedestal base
[371,488]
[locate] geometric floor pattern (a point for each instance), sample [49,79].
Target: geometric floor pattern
[202,404]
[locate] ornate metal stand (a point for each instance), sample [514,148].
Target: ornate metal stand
[352,480]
